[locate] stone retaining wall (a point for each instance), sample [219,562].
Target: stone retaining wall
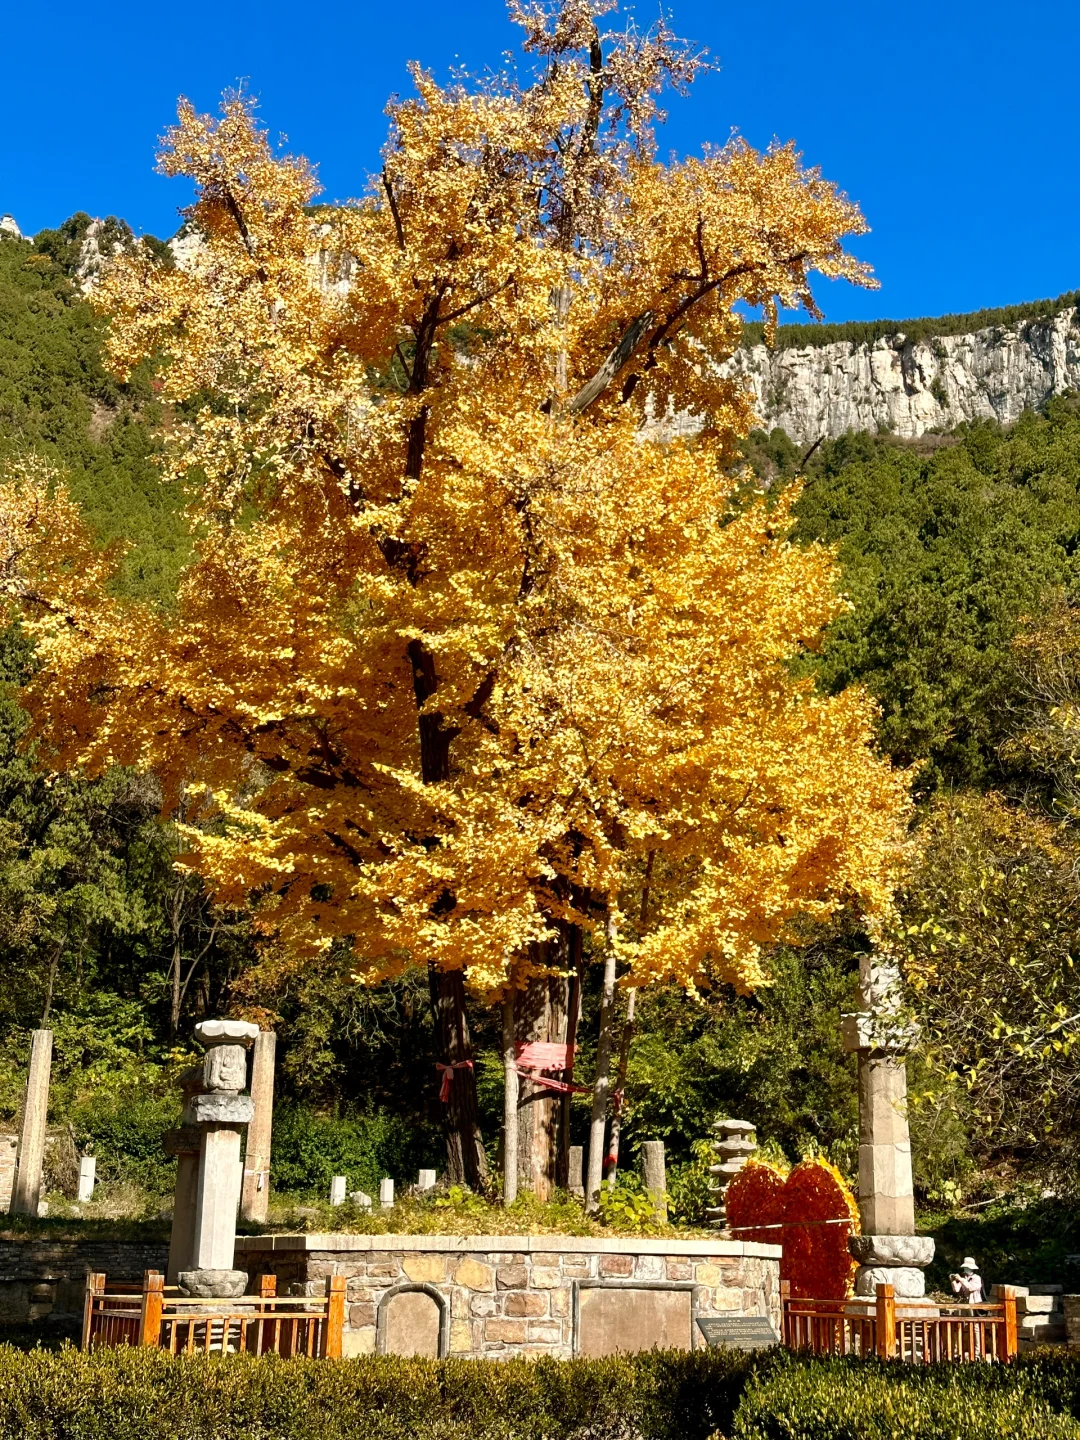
[45,1280]
[499,1296]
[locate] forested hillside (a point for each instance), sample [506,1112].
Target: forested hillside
[959,559]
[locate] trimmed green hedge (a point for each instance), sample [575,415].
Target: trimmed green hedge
[864,1400]
[145,1395]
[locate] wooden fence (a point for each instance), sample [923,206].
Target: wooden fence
[160,1317]
[912,1330]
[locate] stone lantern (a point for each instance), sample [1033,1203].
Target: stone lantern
[209,1172]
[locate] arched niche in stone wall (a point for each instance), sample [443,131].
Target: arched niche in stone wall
[413,1320]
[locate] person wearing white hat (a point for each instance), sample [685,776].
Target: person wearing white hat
[968,1282]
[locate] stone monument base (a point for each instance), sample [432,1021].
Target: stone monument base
[213,1284]
[896,1260]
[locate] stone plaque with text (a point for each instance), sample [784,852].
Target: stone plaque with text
[738,1332]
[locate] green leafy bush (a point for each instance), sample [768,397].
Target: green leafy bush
[147,1395]
[309,1149]
[863,1400]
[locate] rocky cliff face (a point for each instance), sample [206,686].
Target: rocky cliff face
[909,387]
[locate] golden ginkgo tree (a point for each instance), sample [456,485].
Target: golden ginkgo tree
[471,664]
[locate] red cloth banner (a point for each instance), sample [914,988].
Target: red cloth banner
[447,1072]
[540,1055]
[545,1055]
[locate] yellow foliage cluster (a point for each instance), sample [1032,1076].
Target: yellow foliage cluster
[464,641]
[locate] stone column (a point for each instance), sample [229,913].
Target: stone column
[256,1192]
[27,1194]
[888,1251]
[185,1144]
[219,1111]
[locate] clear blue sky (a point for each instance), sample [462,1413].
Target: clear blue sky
[954,124]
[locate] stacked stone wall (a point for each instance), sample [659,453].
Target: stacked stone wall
[498,1297]
[45,1281]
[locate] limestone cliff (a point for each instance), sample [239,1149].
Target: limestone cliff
[909,387]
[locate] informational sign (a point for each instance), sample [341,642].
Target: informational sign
[738,1332]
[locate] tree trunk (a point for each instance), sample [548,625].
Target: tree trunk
[573,1016]
[602,1082]
[541,1016]
[466,1162]
[619,1099]
[510,1103]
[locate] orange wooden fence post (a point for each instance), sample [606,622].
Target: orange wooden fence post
[886,1322]
[1008,1301]
[267,1287]
[152,1301]
[95,1285]
[335,1316]
[785,1296]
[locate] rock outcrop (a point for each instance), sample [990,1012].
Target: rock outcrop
[910,387]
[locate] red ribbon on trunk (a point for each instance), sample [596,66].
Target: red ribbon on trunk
[448,1075]
[540,1055]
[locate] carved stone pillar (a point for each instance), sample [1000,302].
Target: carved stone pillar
[217,1113]
[888,1251]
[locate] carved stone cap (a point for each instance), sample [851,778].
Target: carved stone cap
[226,1032]
[222,1109]
[734,1127]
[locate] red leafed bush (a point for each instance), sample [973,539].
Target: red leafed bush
[816,1259]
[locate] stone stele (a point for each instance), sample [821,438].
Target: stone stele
[628,1319]
[412,1323]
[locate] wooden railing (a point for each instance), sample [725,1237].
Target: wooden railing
[159,1316]
[912,1330]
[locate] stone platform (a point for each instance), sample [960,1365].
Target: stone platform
[499,1296]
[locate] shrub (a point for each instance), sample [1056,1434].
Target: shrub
[309,1149]
[862,1400]
[147,1395]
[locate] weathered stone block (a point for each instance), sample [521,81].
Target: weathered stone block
[511,1277]
[474,1275]
[706,1274]
[650,1267]
[358,1342]
[725,1297]
[482,1305]
[546,1279]
[559,1302]
[525,1303]
[611,1265]
[505,1332]
[678,1270]
[361,1315]
[425,1269]
[547,1260]
[545,1332]
[461,1337]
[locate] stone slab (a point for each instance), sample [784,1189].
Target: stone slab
[623,1319]
[509,1244]
[412,1324]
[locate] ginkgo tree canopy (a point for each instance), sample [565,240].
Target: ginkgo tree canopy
[465,638]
